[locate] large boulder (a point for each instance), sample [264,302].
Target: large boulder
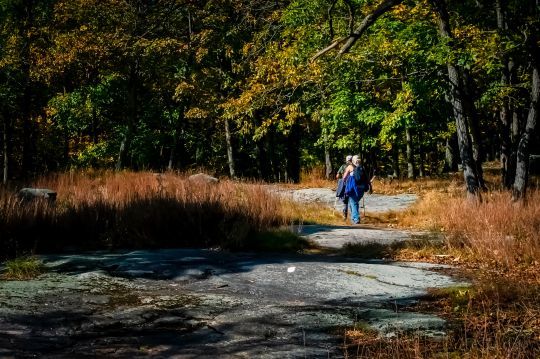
[203,178]
[30,194]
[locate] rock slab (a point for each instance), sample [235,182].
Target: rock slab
[203,303]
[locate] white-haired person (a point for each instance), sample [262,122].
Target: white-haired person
[340,191]
[356,184]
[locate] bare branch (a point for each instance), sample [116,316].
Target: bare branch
[350,7]
[328,48]
[367,22]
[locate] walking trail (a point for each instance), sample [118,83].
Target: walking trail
[195,303]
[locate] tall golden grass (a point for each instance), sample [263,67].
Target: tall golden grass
[115,210]
[495,231]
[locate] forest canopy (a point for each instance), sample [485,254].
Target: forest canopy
[261,89]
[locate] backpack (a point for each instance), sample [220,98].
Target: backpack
[361,178]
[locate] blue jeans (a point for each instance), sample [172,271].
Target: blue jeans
[345,201]
[354,205]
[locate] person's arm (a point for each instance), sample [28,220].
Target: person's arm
[347,171]
[340,172]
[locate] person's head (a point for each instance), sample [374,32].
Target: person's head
[355,160]
[348,158]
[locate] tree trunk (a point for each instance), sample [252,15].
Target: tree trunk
[275,161]
[522,168]
[177,141]
[263,170]
[422,159]
[507,170]
[458,104]
[172,153]
[327,159]
[94,125]
[27,22]
[293,154]
[228,143]
[131,117]
[122,153]
[451,154]
[395,161]
[474,132]
[411,173]
[5,147]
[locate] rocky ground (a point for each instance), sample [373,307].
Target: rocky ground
[373,203]
[203,303]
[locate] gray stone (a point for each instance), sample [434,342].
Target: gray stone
[30,194]
[203,178]
[337,236]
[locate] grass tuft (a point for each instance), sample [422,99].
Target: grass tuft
[23,268]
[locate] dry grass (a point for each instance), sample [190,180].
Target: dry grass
[310,213]
[495,232]
[492,319]
[498,230]
[118,210]
[497,317]
[314,178]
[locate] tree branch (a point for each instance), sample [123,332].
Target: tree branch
[367,22]
[330,20]
[351,15]
[350,40]
[329,47]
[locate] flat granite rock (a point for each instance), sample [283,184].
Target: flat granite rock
[209,304]
[372,203]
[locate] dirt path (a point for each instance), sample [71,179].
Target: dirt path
[202,303]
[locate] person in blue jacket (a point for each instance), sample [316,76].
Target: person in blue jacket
[340,191]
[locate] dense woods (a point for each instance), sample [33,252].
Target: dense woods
[256,89]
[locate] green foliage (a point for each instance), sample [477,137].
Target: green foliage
[150,84]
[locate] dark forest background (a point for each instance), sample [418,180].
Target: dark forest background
[232,86]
